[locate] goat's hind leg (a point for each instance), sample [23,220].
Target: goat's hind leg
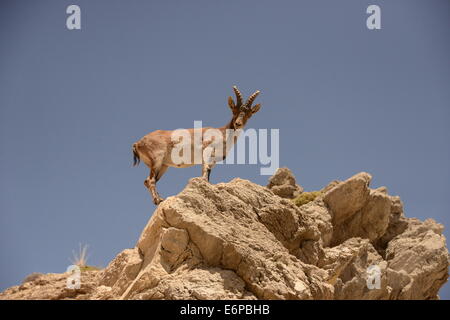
[150,183]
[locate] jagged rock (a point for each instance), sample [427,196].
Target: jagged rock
[421,256]
[238,240]
[348,197]
[370,221]
[123,269]
[347,266]
[32,277]
[330,186]
[283,184]
[397,224]
[218,219]
[52,286]
[358,211]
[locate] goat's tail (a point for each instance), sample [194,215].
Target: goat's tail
[136,158]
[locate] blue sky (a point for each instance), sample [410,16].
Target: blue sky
[346,99]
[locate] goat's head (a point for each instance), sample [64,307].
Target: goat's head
[242,111]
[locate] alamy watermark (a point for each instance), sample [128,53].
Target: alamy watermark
[73,20]
[78,260]
[213,145]
[74,279]
[373,22]
[373,277]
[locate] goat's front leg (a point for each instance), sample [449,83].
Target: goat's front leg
[208,162]
[206,170]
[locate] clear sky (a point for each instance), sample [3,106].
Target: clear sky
[346,99]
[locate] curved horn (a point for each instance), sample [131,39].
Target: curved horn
[252,98]
[231,103]
[238,96]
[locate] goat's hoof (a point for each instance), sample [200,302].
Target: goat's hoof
[158,201]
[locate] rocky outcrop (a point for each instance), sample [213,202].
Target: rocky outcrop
[283,184]
[240,240]
[53,286]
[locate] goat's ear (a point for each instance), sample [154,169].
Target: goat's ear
[231,104]
[256,107]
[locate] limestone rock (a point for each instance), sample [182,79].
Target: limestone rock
[348,197]
[52,286]
[370,221]
[239,240]
[421,256]
[283,184]
[217,219]
[123,269]
[347,266]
